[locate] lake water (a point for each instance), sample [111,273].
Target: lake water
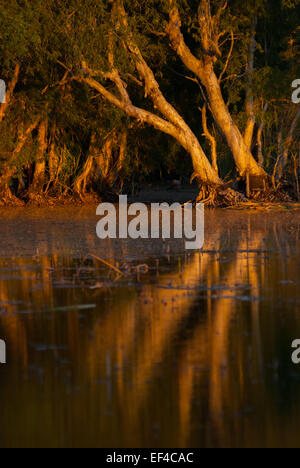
[185,350]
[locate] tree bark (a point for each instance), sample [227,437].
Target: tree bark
[171,123]
[53,156]
[122,152]
[102,167]
[211,139]
[244,160]
[183,134]
[204,70]
[10,168]
[38,182]
[248,136]
[287,145]
[260,156]
[81,181]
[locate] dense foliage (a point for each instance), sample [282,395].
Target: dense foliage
[100,99]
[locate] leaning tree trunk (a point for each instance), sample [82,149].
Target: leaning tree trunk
[204,69]
[167,120]
[37,187]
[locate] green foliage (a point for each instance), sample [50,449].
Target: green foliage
[51,38]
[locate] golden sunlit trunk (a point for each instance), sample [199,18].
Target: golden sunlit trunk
[244,160]
[248,137]
[204,69]
[38,182]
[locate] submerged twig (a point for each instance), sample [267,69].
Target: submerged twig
[107,264]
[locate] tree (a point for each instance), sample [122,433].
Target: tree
[171,121]
[204,68]
[90,82]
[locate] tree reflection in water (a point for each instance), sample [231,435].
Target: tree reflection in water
[194,353]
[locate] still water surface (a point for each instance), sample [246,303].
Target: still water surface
[189,350]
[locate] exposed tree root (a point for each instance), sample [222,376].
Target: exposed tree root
[219,196]
[271,196]
[8,199]
[36,199]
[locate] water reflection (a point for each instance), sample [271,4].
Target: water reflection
[195,352]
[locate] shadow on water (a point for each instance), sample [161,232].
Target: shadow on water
[194,351]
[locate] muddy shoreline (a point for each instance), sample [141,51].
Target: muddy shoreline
[146,195]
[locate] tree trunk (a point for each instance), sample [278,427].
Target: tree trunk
[53,156]
[287,145]
[110,160]
[260,156]
[80,184]
[102,166]
[171,123]
[185,136]
[6,196]
[204,69]
[122,156]
[211,139]
[9,170]
[105,159]
[260,131]
[37,187]
[248,137]
[244,160]
[122,152]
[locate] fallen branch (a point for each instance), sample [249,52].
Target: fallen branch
[107,264]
